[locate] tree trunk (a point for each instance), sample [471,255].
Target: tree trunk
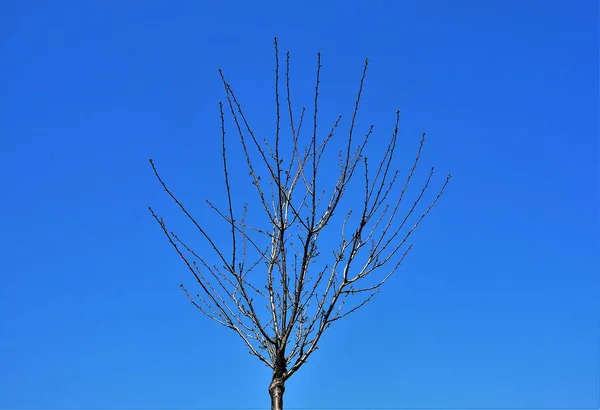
[277,386]
[276,389]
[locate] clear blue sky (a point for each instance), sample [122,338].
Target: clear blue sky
[494,308]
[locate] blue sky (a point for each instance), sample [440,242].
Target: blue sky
[493,308]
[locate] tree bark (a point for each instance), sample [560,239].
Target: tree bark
[277,386]
[276,389]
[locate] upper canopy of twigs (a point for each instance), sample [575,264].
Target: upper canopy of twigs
[273,285]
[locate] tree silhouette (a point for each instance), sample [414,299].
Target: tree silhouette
[275,287]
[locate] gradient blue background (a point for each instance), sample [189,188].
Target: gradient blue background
[495,306]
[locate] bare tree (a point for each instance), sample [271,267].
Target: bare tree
[274,287]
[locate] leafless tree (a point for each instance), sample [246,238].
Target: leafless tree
[274,287]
